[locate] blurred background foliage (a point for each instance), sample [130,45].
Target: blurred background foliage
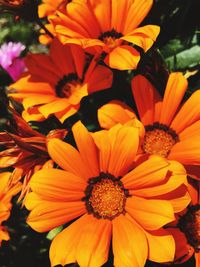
[177,49]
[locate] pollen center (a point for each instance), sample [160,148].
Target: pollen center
[159,140]
[105,198]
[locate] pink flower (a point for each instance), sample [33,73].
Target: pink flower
[10,60]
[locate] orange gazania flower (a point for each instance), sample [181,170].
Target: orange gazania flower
[6,193]
[49,7]
[56,83]
[186,230]
[25,150]
[107,27]
[96,184]
[172,129]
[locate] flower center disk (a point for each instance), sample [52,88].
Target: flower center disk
[67,85]
[105,198]
[159,141]
[110,38]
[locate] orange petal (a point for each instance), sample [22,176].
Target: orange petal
[77,93]
[136,13]
[197,257]
[87,148]
[186,151]
[123,57]
[161,246]
[79,59]
[114,112]
[149,173]
[63,247]
[81,13]
[124,146]
[4,212]
[119,14]
[188,114]
[32,114]
[102,11]
[101,139]
[99,78]
[4,179]
[30,84]
[3,234]
[174,92]
[94,241]
[129,243]
[175,177]
[59,53]
[66,113]
[38,99]
[41,66]
[53,107]
[57,185]
[64,25]
[150,214]
[143,37]
[180,203]
[148,100]
[12,190]
[67,157]
[86,241]
[191,131]
[47,215]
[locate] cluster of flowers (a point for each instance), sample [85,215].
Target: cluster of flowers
[134,180]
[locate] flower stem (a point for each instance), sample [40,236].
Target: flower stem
[42,26]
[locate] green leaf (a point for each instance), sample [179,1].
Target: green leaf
[185,59]
[51,234]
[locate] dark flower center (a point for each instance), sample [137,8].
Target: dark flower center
[65,85]
[189,224]
[105,196]
[109,38]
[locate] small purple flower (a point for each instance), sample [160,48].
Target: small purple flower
[10,60]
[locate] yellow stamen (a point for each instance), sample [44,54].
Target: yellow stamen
[158,142]
[107,198]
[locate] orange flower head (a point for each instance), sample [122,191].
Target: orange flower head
[108,29]
[99,187]
[56,83]
[172,128]
[25,9]
[25,150]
